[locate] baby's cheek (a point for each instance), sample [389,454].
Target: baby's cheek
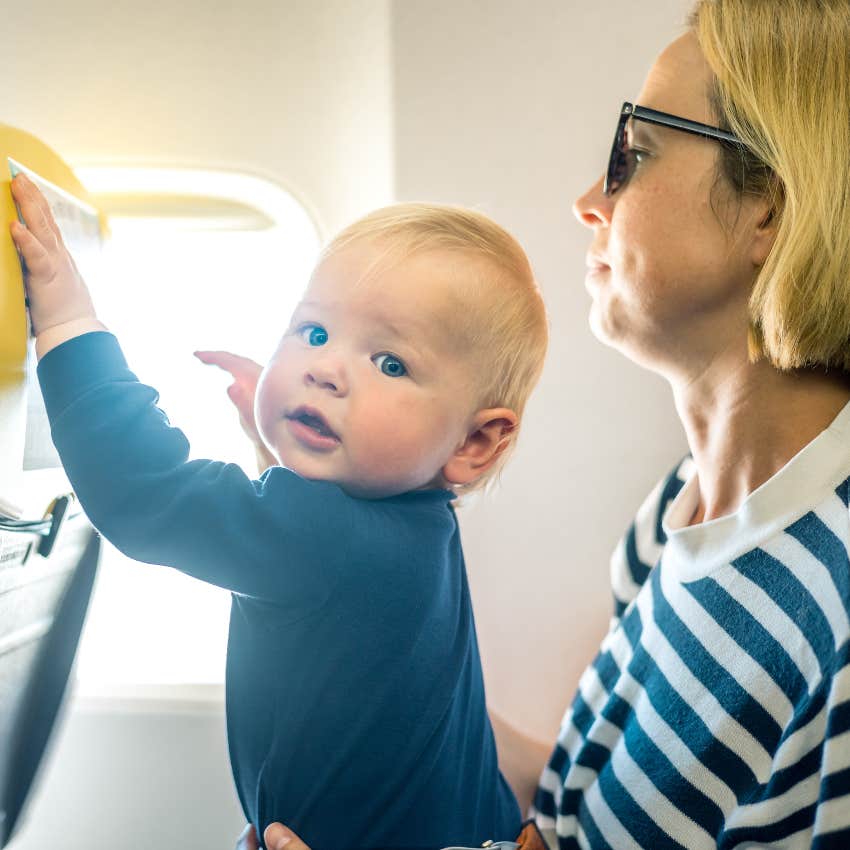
[407,454]
[380,451]
[267,406]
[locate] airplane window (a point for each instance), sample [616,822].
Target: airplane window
[196,260]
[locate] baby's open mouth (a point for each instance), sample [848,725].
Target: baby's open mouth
[314,420]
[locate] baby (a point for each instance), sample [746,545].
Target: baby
[355,702]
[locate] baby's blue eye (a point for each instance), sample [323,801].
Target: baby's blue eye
[313,334]
[390,365]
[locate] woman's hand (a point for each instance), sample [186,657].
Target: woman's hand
[245,373]
[59,302]
[276,837]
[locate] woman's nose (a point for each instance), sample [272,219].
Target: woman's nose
[594,208]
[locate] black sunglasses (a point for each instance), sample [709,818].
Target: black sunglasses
[621,164]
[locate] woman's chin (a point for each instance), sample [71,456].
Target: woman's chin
[601,324]
[616,335]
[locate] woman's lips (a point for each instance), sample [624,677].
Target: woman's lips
[596,270]
[596,263]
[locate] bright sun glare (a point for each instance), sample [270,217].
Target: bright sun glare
[166,290]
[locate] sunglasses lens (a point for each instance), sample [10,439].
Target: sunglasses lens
[619,164]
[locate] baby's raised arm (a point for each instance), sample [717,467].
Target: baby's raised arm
[130,468]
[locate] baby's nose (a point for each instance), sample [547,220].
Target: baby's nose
[327,376]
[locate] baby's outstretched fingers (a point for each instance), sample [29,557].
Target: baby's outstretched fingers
[33,253]
[59,300]
[246,374]
[39,242]
[36,212]
[242,368]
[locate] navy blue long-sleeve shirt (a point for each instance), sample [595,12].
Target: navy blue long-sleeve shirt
[355,701]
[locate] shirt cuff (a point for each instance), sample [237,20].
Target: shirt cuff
[68,371]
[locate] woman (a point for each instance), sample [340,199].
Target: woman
[717,712]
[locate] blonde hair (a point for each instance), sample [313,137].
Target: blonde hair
[502,320]
[782,85]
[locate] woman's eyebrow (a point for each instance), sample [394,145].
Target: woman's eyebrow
[643,132]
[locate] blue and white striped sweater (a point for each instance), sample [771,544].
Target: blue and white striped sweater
[717,713]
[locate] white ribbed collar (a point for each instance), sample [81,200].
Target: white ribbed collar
[810,477]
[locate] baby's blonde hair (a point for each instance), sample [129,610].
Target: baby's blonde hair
[782,85]
[503,321]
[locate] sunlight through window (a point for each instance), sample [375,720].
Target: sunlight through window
[196,260]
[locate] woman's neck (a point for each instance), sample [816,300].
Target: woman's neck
[745,425]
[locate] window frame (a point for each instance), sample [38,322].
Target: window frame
[298,222]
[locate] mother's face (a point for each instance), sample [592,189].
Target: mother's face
[669,273]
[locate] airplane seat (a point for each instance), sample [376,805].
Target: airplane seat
[43,603]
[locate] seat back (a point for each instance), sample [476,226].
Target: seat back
[43,603]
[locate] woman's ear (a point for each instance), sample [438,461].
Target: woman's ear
[767,216]
[488,436]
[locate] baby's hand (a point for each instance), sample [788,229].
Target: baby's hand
[59,302]
[246,374]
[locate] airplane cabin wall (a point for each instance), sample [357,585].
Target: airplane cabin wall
[298,92]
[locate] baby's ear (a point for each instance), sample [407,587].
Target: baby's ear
[489,435]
